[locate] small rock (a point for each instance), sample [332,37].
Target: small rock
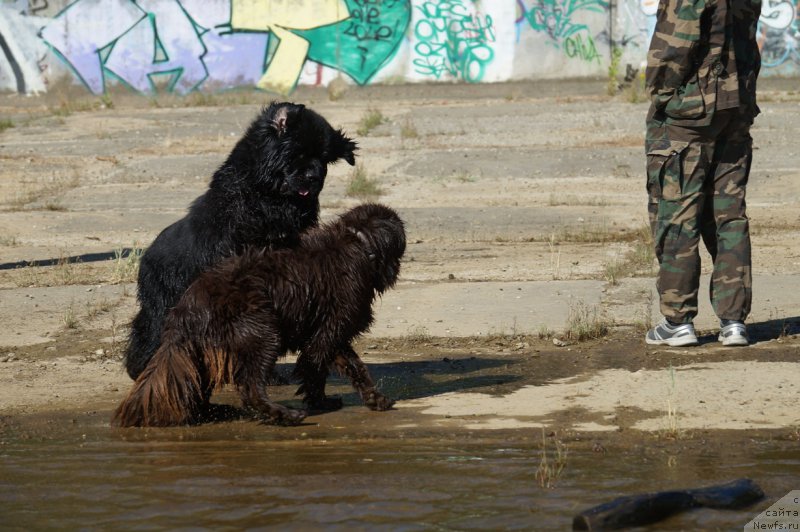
[559,342]
[100,352]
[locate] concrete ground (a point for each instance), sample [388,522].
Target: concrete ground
[525,212]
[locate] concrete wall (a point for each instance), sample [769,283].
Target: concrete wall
[208,45]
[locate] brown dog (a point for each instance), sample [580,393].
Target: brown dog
[235,320]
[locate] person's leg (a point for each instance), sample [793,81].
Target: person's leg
[731,281]
[678,159]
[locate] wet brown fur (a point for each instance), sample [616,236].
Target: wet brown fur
[235,320]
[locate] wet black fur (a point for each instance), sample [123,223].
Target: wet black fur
[254,199]
[236,319]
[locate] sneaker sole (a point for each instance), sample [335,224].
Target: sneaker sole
[734,342]
[674,342]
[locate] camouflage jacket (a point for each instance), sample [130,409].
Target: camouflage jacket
[703,56]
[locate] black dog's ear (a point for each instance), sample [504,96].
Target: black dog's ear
[344,148]
[285,116]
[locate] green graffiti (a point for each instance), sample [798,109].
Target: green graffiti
[554,17]
[363,43]
[582,48]
[452,40]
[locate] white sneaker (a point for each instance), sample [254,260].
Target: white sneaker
[666,333]
[733,333]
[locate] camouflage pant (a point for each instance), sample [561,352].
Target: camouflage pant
[696,182]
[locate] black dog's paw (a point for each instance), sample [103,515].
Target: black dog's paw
[286,417]
[378,402]
[325,404]
[290,417]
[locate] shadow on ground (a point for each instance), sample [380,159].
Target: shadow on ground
[123,253]
[398,380]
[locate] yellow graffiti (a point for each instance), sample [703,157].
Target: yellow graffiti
[278,17]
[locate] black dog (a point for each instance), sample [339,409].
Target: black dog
[236,319]
[264,195]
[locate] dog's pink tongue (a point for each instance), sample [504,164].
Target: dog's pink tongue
[303,192]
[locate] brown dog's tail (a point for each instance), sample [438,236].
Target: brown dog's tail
[168,392]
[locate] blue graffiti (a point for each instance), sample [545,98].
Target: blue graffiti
[102,38]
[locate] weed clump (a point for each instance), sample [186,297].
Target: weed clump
[371,119]
[361,185]
[584,323]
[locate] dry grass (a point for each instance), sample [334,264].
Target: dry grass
[69,318]
[585,323]
[544,332]
[94,309]
[25,199]
[71,271]
[646,322]
[54,205]
[638,260]
[208,99]
[372,118]
[361,185]
[418,334]
[408,130]
[553,461]
[67,106]
[202,99]
[573,200]
[672,428]
[126,266]
[771,227]
[555,257]
[589,233]
[635,92]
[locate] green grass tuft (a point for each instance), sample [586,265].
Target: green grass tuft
[371,119]
[361,185]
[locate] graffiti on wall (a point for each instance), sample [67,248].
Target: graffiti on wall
[21,53]
[779,34]
[363,43]
[453,38]
[187,45]
[557,20]
[223,43]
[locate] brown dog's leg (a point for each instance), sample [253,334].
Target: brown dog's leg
[313,377]
[253,375]
[348,363]
[254,397]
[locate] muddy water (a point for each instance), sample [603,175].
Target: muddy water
[346,471]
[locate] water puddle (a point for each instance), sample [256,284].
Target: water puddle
[348,473]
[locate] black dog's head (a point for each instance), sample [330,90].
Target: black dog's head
[381,232]
[289,148]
